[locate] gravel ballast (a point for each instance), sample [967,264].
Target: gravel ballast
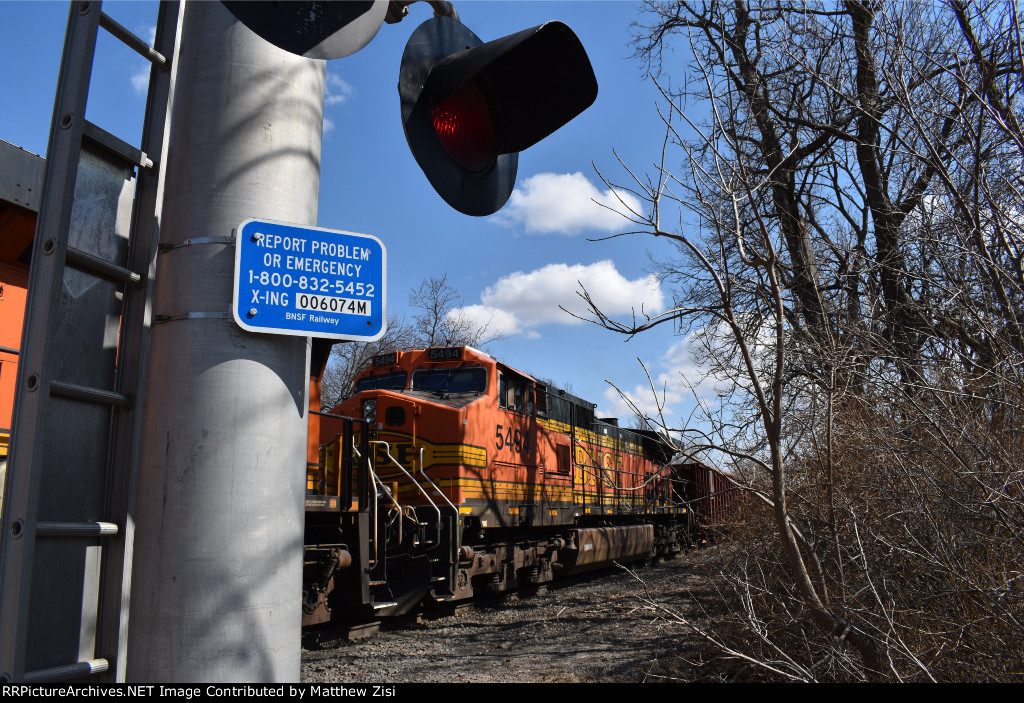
[601,629]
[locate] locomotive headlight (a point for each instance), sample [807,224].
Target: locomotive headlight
[370,411]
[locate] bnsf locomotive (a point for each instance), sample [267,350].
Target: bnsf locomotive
[448,473]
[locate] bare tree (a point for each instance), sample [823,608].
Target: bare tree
[441,321]
[349,359]
[845,215]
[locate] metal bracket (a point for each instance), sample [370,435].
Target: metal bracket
[399,10]
[197,240]
[157,319]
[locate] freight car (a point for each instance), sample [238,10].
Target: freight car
[713,499]
[448,473]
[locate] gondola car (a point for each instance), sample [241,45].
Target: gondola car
[448,473]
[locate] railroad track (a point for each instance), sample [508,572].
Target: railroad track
[581,630]
[329,636]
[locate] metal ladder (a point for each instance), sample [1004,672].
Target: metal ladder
[65,564]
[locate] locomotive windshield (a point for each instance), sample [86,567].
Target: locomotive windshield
[456,380]
[387,382]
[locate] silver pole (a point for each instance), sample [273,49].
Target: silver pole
[217,575]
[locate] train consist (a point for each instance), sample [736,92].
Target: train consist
[448,473]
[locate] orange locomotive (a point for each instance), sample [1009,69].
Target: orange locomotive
[455,472]
[21,180]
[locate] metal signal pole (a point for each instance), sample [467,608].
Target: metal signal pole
[216,584]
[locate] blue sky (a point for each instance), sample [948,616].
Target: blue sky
[514,268]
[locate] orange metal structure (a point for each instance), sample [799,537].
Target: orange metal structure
[13,291]
[21,175]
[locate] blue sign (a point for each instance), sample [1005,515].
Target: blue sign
[309,281]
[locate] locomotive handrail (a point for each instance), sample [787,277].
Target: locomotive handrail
[387,451]
[399,508]
[599,474]
[348,447]
[650,478]
[423,470]
[378,488]
[377,482]
[336,416]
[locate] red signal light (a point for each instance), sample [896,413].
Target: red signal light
[469,108]
[465,129]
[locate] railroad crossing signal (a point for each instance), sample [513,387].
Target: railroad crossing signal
[469,108]
[316,30]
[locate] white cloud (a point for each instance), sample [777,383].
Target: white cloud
[328,125]
[565,203]
[496,320]
[645,400]
[140,80]
[667,390]
[675,377]
[520,302]
[537,295]
[337,90]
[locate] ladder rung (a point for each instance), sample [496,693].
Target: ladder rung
[384,604]
[378,583]
[118,147]
[76,529]
[67,671]
[142,48]
[84,261]
[90,395]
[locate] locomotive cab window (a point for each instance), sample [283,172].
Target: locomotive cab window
[472,379]
[515,393]
[383,382]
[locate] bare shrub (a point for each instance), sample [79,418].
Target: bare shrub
[846,221]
